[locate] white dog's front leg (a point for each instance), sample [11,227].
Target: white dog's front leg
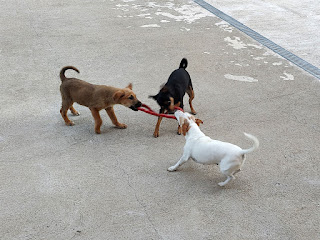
[183,159]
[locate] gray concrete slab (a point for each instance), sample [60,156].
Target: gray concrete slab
[292,24]
[60,182]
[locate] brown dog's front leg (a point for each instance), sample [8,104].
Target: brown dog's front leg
[114,119]
[97,120]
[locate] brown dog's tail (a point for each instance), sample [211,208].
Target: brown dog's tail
[62,76]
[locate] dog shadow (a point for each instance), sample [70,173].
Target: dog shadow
[205,178]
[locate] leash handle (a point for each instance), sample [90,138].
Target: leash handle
[150,111]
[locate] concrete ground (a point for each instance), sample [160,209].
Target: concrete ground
[60,182]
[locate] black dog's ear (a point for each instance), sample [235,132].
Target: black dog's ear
[164,89]
[155,97]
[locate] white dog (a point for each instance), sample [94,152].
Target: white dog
[205,150]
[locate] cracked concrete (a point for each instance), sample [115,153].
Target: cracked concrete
[60,182]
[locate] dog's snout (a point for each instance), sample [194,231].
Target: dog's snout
[171,110]
[138,104]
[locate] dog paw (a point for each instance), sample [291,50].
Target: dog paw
[121,126]
[221,184]
[75,113]
[156,134]
[171,169]
[70,123]
[194,112]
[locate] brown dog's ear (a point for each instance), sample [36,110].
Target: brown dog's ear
[118,94]
[185,127]
[198,121]
[129,86]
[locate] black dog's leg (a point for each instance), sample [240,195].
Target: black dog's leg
[190,92]
[156,131]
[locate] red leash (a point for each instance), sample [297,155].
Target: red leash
[145,108]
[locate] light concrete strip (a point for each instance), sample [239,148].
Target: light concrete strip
[292,24]
[263,40]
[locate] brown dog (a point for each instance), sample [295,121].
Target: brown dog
[95,97]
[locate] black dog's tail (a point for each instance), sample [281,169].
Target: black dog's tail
[62,76]
[183,63]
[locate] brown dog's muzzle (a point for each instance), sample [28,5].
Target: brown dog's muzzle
[135,107]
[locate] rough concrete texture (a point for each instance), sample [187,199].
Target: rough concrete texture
[60,182]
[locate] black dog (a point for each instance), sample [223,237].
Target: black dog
[172,93]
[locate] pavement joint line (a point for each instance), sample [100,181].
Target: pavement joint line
[313,70]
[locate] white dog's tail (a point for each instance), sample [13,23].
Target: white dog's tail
[255,144]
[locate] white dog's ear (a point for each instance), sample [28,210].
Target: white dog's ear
[198,121]
[185,127]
